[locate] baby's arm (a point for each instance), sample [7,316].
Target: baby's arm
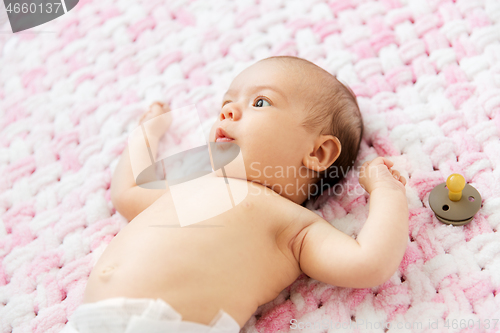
[128,198]
[328,255]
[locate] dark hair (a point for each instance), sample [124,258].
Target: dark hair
[344,121]
[335,110]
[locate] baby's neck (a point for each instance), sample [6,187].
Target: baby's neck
[294,191]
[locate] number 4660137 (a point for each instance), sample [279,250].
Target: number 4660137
[471,323]
[33,8]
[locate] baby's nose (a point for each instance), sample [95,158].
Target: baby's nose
[229,112]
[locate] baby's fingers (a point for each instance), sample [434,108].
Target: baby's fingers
[397,175]
[382,160]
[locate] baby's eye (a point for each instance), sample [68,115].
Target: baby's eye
[260,103]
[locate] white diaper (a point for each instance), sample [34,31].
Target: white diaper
[140,315]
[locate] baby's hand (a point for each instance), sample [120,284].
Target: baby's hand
[161,124]
[378,173]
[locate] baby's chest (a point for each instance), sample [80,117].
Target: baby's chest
[238,245]
[256,230]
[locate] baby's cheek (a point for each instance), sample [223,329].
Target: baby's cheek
[254,171]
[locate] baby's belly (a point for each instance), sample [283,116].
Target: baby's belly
[197,270]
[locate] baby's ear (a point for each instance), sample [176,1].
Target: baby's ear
[325,152]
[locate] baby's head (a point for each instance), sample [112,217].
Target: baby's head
[298,128]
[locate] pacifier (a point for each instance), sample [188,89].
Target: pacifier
[455,202]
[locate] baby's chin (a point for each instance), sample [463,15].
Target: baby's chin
[229,163]
[235,168]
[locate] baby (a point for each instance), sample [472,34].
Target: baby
[284,113]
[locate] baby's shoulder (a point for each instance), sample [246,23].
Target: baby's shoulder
[286,219]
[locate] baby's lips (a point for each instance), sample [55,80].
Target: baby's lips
[220,133]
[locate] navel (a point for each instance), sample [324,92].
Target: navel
[106,273]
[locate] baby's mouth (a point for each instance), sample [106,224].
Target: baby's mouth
[222,136]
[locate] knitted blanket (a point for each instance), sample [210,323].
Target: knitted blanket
[427,77]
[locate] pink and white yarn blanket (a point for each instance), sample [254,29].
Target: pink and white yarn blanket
[427,77]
